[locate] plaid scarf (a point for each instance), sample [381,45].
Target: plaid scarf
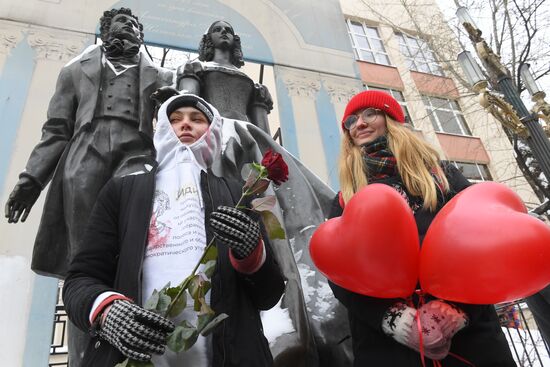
[379,161]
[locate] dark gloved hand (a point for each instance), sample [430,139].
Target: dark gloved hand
[162,94]
[21,199]
[134,331]
[236,229]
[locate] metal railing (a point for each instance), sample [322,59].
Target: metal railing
[278,137]
[526,342]
[59,349]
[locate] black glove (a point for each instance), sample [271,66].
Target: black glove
[236,229]
[134,331]
[21,200]
[162,94]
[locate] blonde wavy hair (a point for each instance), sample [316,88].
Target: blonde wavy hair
[416,162]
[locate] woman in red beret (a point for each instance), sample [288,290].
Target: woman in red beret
[378,148]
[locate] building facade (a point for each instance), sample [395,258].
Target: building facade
[317,55]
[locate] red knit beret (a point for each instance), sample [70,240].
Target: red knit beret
[374,99]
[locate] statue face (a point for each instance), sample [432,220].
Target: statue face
[125,27]
[222,35]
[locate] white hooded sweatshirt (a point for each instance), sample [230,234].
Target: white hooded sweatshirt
[177,235]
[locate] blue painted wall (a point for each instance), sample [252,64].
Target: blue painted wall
[40,325]
[330,135]
[15,80]
[320,23]
[286,114]
[181,24]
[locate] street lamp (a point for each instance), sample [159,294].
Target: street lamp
[473,71]
[541,107]
[513,114]
[493,103]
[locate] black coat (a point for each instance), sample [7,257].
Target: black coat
[112,260]
[71,111]
[482,342]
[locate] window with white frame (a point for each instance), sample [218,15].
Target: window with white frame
[446,116]
[398,95]
[418,55]
[366,42]
[474,172]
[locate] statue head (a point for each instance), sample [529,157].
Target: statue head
[120,24]
[220,35]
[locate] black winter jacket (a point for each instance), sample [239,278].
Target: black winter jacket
[112,257]
[482,342]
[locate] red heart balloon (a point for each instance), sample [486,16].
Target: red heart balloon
[484,248]
[373,247]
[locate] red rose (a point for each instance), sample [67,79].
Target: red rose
[277,170]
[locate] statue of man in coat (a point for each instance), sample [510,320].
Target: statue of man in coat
[99,125]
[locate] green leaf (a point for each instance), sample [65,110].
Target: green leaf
[173,292]
[258,167]
[212,324]
[272,225]
[259,187]
[179,305]
[203,320]
[265,203]
[183,337]
[209,268]
[163,303]
[194,285]
[159,301]
[205,309]
[211,254]
[249,174]
[152,302]
[205,287]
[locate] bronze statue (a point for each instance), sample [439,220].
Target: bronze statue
[320,335]
[217,78]
[99,125]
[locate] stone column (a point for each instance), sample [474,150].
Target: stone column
[340,91]
[303,87]
[30,298]
[10,36]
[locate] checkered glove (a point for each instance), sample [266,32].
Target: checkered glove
[134,331]
[236,229]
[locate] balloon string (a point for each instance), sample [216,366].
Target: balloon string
[420,338]
[419,326]
[461,359]
[421,301]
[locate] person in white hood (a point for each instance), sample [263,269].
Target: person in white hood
[150,229]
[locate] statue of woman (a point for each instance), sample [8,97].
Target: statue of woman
[216,77]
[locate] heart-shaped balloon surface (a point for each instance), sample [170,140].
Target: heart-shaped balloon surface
[483,248]
[372,249]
